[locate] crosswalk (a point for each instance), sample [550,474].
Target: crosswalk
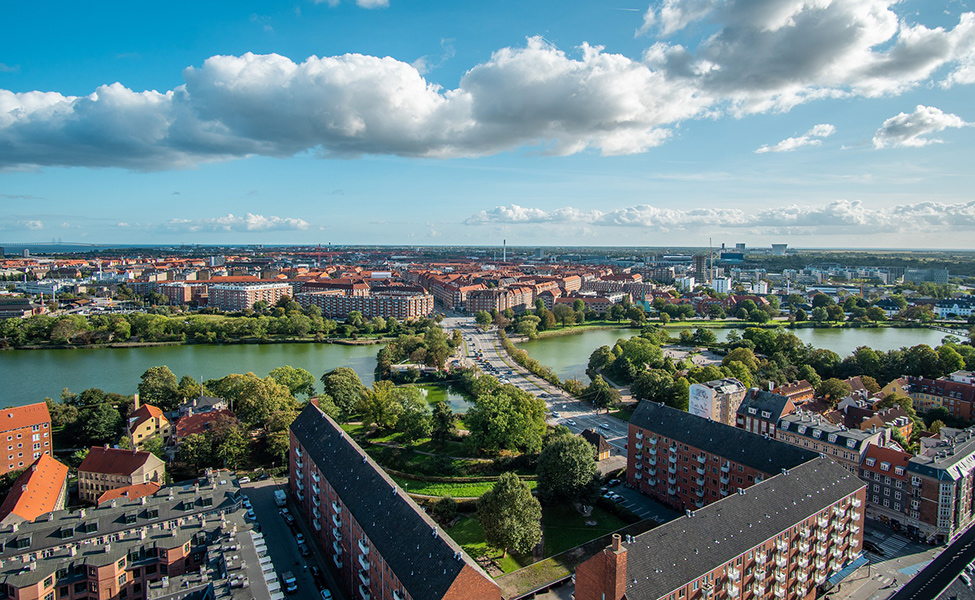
[893,545]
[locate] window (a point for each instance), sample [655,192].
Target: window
[898,470]
[871,462]
[885,466]
[49,581]
[67,532]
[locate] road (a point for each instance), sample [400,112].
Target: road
[281,545]
[938,575]
[563,408]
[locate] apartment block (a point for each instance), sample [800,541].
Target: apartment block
[717,400]
[383,545]
[153,547]
[107,468]
[404,306]
[688,462]
[27,430]
[760,411]
[799,392]
[844,445]
[955,392]
[232,297]
[783,536]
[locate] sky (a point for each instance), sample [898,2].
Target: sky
[816,123]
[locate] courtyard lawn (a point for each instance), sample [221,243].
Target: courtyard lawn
[469,535]
[565,528]
[456,490]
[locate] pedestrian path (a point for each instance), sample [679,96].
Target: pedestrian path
[893,545]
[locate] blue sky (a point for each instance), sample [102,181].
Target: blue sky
[818,123]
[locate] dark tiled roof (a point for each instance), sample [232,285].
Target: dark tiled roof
[745,448]
[598,441]
[672,555]
[763,401]
[426,564]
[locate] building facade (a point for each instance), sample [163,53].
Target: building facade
[717,400]
[27,430]
[760,411]
[405,306]
[812,432]
[107,468]
[232,297]
[40,489]
[782,537]
[688,462]
[382,544]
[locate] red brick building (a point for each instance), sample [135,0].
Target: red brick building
[27,430]
[383,545]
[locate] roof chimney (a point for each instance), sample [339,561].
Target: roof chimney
[617,542]
[135,401]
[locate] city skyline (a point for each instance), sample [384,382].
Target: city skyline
[829,124]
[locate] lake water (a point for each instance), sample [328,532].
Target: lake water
[458,402]
[31,375]
[568,355]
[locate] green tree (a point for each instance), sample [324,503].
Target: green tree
[444,425]
[196,450]
[61,414]
[415,420]
[253,399]
[483,317]
[155,446]
[801,315]
[564,314]
[229,445]
[833,390]
[566,470]
[617,312]
[601,394]
[508,419]
[98,424]
[936,426]
[444,510]
[188,388]
[345,388]
[510,516]
[159,387]
[297,380]
[380,407]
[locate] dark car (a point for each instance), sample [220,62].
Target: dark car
[316,574]
[303,548]
[871,547]
[261,477]
[613,482]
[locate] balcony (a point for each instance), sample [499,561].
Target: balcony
[364,592]
[700,471]
[854,542]
[363,563]
[733,574]
[700,481]
[300,495]
[820,563]
[337,548]
[299,464]
[806,533]
[837,553]
[855,516]
[652,451]
[653,441]
[835,565]
[300,485]
[839,511]
[837,539]
[802,576]
[732,590]
[779,590]
[701,459]
[652,482]
[299,475]
[822,535]
[851,554]
[315,489]
[781,545]
[726,467]
[364,547]
[699,503]
[804,547]
[638,477]
[672,491]
[336,508]
[336,521]
[856,503]
[822,522]
[820,578]
[316,513]
[780,576]
[298,452]
[724,491]
[639,435]
[758,589]
[316,501]
[639,446]
[652,462]
[672,469]
[672,459]
[315,477]
[652,472]
[699,492]
[336,534]
[317,525]
[781,561]
[638,457]
[364,578]
[725,479]
[337,561]
[803,562]
[672,480]
[855,529]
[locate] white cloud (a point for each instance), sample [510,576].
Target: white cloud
[359,3]
[909,130]
[756,56]
[837,217]
[245,223]
[813,137]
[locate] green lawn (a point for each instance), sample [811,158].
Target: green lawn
[468,533]
[565,528]
[457,490]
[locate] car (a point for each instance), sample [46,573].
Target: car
[247,502]
[968,580]
[555,414]
[300,538]
[243,480]
[618,499]
[303,549]
[316,574]
[603,426]
[871,547]
[613,482]
[608,495]
[570,422]
[288,582]
[251,515]
[326,594]
[262,477]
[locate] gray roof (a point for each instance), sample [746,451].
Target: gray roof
[952,459]
[762,400]
[734,444]
[425,560]
[672,555]
[813,423]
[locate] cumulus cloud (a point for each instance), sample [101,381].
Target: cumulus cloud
[910,130]
[837,217]
[757,56]
[813,137]
[244,223]
[13,224]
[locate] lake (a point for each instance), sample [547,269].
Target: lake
[568,355]
[31,375]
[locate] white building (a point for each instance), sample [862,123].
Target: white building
[717,400]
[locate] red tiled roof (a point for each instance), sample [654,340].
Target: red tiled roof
[144,413]
[896,458]
[43,481]
[200,422]
[17,417]
[129,492]
[113,461]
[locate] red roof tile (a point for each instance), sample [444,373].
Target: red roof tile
[37,490]
[18,417]
[113,461]
[200,422]
[129,492]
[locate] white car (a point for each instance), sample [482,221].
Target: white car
[570,422]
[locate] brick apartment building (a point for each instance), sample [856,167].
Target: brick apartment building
[844,445]
[27,430]
[107,468]
[783,536]
[127,549]
[955,392]
[718,400]
[760,411]
[383,545]
[688,462]
[232,297]
[404,305]
[799,392]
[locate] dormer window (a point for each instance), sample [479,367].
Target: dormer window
[885,466]
[871,462]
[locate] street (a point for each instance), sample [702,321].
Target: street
[281,545]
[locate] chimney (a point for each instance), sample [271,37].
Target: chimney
[617,542]
[135,402]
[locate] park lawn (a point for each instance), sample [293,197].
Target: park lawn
[456,490]
[565,528]
[623,413]
[449,448]
[469,535]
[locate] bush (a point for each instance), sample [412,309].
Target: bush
[444,510]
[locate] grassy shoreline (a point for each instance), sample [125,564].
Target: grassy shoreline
[251,341]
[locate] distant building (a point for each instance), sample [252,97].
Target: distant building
[599,443]
[232,297]
[955,392]
[919,276]
[717,400]
[784,536]
[28,432]
[382,544]
[760,411]
[40,489]
[107,468]
[799,392]
[405,305]
[779,249]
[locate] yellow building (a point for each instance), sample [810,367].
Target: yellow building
[147,422]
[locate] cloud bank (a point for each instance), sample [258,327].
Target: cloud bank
[813,137]
[766,55]
[839,216]
[247,223]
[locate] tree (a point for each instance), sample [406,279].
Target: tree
[510,516]
[61,414]
[704,337]
[254,399]
[566,470]
[415,420]
[155,446]
[444,510]
[98,424]
[444,426]
[507,419]
[159,387]
[188,388]
[833,390]
[297,380]
[801,315]
[196,450]
[345,388]
[229,444]
[617,312]
[936,426]
[483,317]
[564,314]
[601,394]
[380,407]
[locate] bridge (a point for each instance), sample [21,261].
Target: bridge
[961,333]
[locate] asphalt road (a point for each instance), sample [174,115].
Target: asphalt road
[281,545]
[938,575]
[573,413]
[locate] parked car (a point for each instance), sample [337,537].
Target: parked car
[300,538]
[303,549]
[316,575]
[251,515]
[871,547]
[243,480]
[613,482]
[570,422]
[289,582]
[603,426]
[326,594]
